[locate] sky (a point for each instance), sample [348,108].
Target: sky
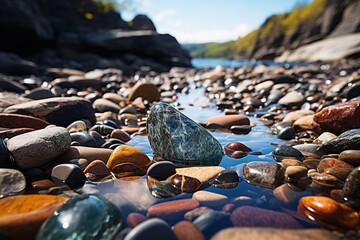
[198,21]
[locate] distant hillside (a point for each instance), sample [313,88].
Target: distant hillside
[303,25]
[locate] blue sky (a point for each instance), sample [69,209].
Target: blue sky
[196,21]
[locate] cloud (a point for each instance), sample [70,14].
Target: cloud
[211,35]
[161,16]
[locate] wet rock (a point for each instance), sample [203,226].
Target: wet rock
[187,230]
[102,129]
[184,183]
[277,127]
[327,212]
[227,121]
[27,212]
[88,153]
[60,111]
[134,219]
[39,93]
[287,196]
[68,174]
[127,154]
[340,117]
[351,190]
[204,174]
[285,151]
[121,135]
[103,105]
[97,168]
[325,179]
[72,220]
[244,233]
[145,90]
[77,126]
[293,98]
[154,228]
[240,129]
[306,123]
[236,146]
[178,139]
[193,214]
[44,184]
[210,199]
[248,216]
[8,120]
[295,173]
[311,163]
[264,174]
[295,115]
[161,170]
[39,147]
[172,210]
[12,182]
[227,179]
[211,222]
[161,189]
[286,133]
[5,161]
[351,157]
[84,139]
[286,162]
[349,140]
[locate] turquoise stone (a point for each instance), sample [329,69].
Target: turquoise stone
[176,138]
[83,217]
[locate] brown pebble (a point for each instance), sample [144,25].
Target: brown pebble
[134,219]
[185,230]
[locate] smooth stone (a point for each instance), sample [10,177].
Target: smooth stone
[134,219]
[286,133]
[210,199]
[240,129]
[245,233]
[128,169]
[111,123]
[114,97]
[308,148]
[84,138]
[285,151]
[236,146]
[88,153]
[39,93]
[277,127]
[5,161]
[264,174]
[81,162]
[287,196]
[311,163]
[238,154]
[121,135]
[154,228]
[349,140]
[248,216]
[72,220]
[293,98]
[102,129]
[351,190]
[328,162]
[145,90]
[193,214]
[129,119]
[184,183]
[127,154]
[60,111]
[161,170]
[340,117]
[178,139]
[97,137]
[10,133]
[8,120]
[103,105]
[328,212]
[12,182]
[211,222]
[80,82]
[68,174]
[286,162]
[325,179]
[172,210]
[295,115]
[187,230]
[306,123]
[295,173]
[325,137]
[227,121]
[39,147]
[351,157]
[27,212]
[98,168]
[338,172]
[204,174]
[226,177]
[44,184]
[77,126]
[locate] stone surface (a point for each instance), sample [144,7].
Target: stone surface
[172,210]
[161,170]
[103,105]
[27,212]
[328,212]
[154,228]
[88,153]
[184,183]
[134,219]
[127,154]
[211,222]
[349,140]
[8,120]
[236,146]
[210,199]
[12,182]
[285,151]
[5,161]
[248,216]
[306,123]
[37,148]
[84,139]
[204,174]
[60,111]
[187,230]
[292,99]
[340,117]
[351,190]
[245,233]
[178,139]
[121,135]
[264,174]
[72,220]
[295,115]
[145,90]
[97,168]
[350,156]
[68,174]
[295,173]
[227,121]
[287,196]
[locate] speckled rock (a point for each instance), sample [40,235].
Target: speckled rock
[8,120]
[178,139]
[187,230]
[265,174]
[38,147]
[12,182]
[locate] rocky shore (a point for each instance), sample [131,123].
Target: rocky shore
[104,154]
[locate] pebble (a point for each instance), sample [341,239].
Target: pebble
[291,117]
[154,228]
[210,199]
[39,147]
[27,212]
[211,222]
[77,126]
[72,220]
[187,230]
[134,219]
[264,174]
[8,120]
[325,137]
[306,123]
[285,151]
[349,140]
[227,177]
[145,90]
[240,129]
[161,170]
[295,173]
[184,183]
[97,168]
[88,153]
[327,212]
[327,163]
[204,174]
[103,105]
[227,121]
[351,190]
[68,174]
[293,98]
[12,182]
[286,133]
[5,161]
[286,162]
[236,146]
[351,157]
[286,195]
[121,135]
[248,216]
[172,210]
[84,139]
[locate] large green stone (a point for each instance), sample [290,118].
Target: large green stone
[83,217]
[176,138]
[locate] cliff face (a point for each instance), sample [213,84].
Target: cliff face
[52,32]
[320,20]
